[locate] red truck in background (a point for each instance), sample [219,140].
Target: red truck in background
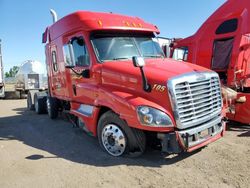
[107,71]
[222,44]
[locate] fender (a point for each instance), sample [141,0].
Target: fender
[125,104]
[88,114]
[122,103]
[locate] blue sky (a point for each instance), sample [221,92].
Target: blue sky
[22,22]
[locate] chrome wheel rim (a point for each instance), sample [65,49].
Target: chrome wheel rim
[113,140]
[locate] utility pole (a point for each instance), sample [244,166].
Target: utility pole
[2,89]
[1,63]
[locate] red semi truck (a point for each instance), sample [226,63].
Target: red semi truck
[222,44]
[107,71]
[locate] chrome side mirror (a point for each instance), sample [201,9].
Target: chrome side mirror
[138,61]
[69,59]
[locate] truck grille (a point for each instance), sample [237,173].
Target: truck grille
[196,98]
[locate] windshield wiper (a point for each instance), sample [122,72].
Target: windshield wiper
[119,58]
[156,56]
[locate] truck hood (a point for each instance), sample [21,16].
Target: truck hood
[156,70]
[123,77]
[168,68]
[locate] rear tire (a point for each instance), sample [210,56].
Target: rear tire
[40,104]
[30,99]
[117,138]
[30,105]
[52,107]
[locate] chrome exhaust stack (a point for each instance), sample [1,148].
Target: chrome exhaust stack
[54,15]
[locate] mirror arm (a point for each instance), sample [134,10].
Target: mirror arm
[85,73]
[78,74]
[146,86]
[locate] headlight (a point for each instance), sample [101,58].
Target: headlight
[153,117]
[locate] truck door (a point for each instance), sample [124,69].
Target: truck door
[221,57]
[222,53]
[57,82]
[81,84]
[244,59]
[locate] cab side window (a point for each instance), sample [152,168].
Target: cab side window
[67,56]
[227,26]
[76,53]
[81,55]
[54,61]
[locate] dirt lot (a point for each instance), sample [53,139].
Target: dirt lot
[38,152]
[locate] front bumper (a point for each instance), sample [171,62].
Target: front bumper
[193,138]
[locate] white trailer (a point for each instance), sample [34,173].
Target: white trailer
[31,78]
[165,45]
[31,75]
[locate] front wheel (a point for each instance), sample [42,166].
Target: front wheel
[117,138]
[113,139]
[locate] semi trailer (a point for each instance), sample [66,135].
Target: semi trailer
[108,72]
[165,44]
[222,44]
[2,90]
[30,78]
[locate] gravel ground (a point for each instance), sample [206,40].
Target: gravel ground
[38,152]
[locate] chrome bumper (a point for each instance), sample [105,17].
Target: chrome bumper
[197,135]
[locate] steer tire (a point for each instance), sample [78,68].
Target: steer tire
[52,107]
[135,140]
[40,104]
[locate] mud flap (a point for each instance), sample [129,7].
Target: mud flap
[169,143]
[138,143]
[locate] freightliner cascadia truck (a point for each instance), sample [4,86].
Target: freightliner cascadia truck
[222,44]
[107,71]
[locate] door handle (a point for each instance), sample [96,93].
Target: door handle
[74,89]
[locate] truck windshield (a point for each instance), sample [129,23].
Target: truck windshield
[110,48]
